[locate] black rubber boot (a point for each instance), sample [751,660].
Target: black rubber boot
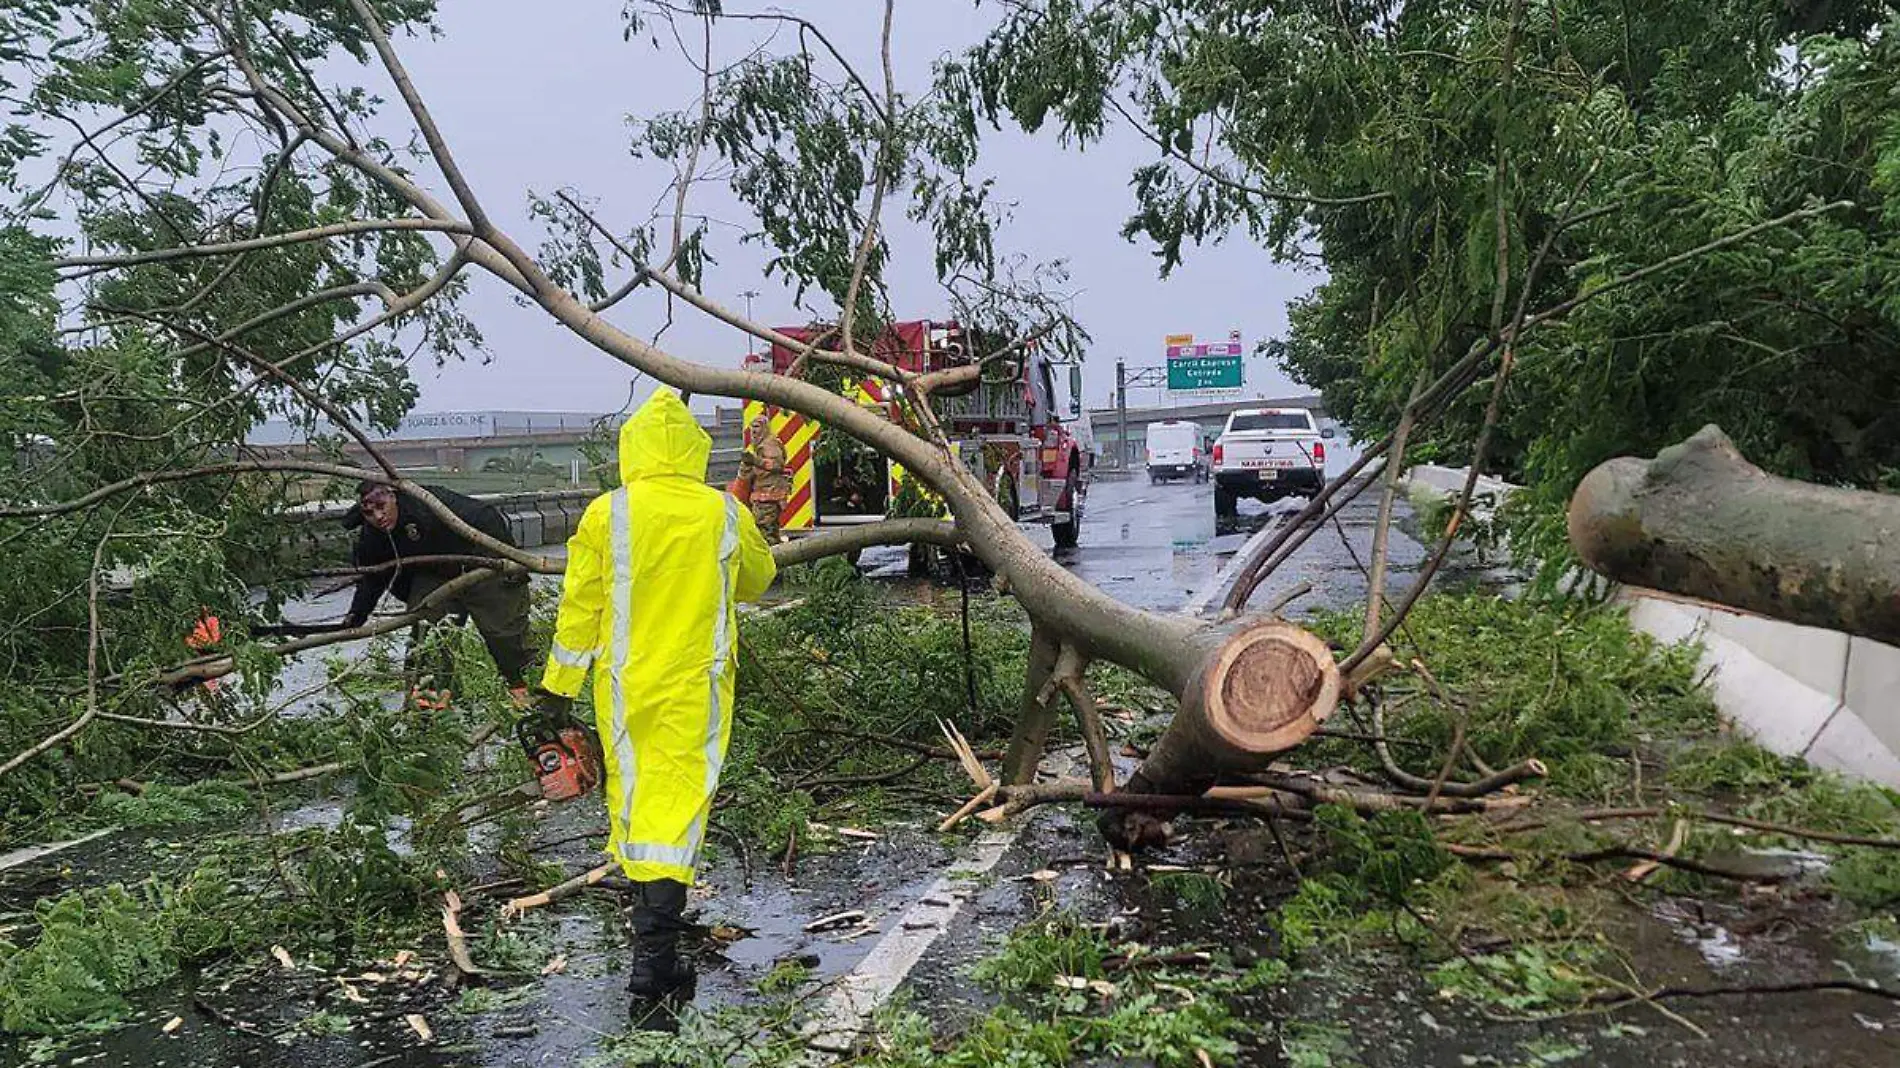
[660,981]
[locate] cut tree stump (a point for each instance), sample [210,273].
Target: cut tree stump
[1265,687]
[1701,521]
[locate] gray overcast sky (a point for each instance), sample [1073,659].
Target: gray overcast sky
[535,96]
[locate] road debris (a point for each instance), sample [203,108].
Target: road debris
[835,920]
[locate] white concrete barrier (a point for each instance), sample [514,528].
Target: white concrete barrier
[1826,696]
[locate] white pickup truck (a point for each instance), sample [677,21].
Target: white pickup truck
[1266,454]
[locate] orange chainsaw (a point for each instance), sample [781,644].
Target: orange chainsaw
[565,755]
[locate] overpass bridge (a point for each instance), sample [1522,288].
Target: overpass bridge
[518,452]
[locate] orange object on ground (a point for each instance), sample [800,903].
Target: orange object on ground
[209,631]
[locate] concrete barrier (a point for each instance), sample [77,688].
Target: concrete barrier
[1826,696]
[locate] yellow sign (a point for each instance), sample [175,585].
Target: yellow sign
[1178,339]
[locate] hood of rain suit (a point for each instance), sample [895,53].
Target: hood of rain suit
[663,439]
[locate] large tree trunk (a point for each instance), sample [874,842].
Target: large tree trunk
[1701,520]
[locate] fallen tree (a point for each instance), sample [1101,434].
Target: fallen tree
[1248,688]
[1701,521]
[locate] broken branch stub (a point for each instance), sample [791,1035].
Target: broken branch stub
[1264,688]
[1701,521]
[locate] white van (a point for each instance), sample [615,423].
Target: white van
[1175,451]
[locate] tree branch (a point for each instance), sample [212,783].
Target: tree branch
[294,237]
[863,536]
[432,134]
[264,367]
[1222,180]
[92,670]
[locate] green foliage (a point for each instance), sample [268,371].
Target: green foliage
[1309,1044]
[93,946]
[1191,892]
[1866,876]
[786,976]
[164,805]
[344,891]
[1458,141]
[1388,854]
[1529,978]
[1035,954]
[836,687]
[1570,685]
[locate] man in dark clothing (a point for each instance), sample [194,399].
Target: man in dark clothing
[395,527]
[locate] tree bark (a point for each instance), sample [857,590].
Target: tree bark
[1702,521]
[1037,714]
[1261,689]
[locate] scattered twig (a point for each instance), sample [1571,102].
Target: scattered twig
[1809,833]
[836,919]
[1622,852]
[1381,531]
[1677,837]
[558,892]
[870,778]
[982,798]
[457,939]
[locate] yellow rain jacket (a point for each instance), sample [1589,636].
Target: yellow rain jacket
[655,572]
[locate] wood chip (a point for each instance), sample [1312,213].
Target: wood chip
[836,919]
[1201,1056]
[283,958]
[862,835]
[420,1026]
[555,966]
[1044,875]
[350,992]
[173,1024]
[1642,870]
[404,957]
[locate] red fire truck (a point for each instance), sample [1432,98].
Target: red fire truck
[1008,427]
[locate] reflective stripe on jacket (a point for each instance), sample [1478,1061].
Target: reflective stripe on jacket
[655,572]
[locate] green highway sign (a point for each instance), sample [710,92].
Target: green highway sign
[1205,372]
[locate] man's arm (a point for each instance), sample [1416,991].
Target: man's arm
[757,569]
[370,587]
[583,595]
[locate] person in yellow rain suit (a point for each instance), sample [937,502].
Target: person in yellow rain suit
[655,573]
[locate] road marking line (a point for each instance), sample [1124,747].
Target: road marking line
[33,853]
[848,1006]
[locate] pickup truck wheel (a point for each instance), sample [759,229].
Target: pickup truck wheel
[1068,532]
[1226,503]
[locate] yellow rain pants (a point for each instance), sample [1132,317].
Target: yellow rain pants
[655,573]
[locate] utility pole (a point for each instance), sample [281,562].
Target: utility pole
[748,295]
[1121,415]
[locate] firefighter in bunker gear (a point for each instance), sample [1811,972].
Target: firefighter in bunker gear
[762,465]
[655,572]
